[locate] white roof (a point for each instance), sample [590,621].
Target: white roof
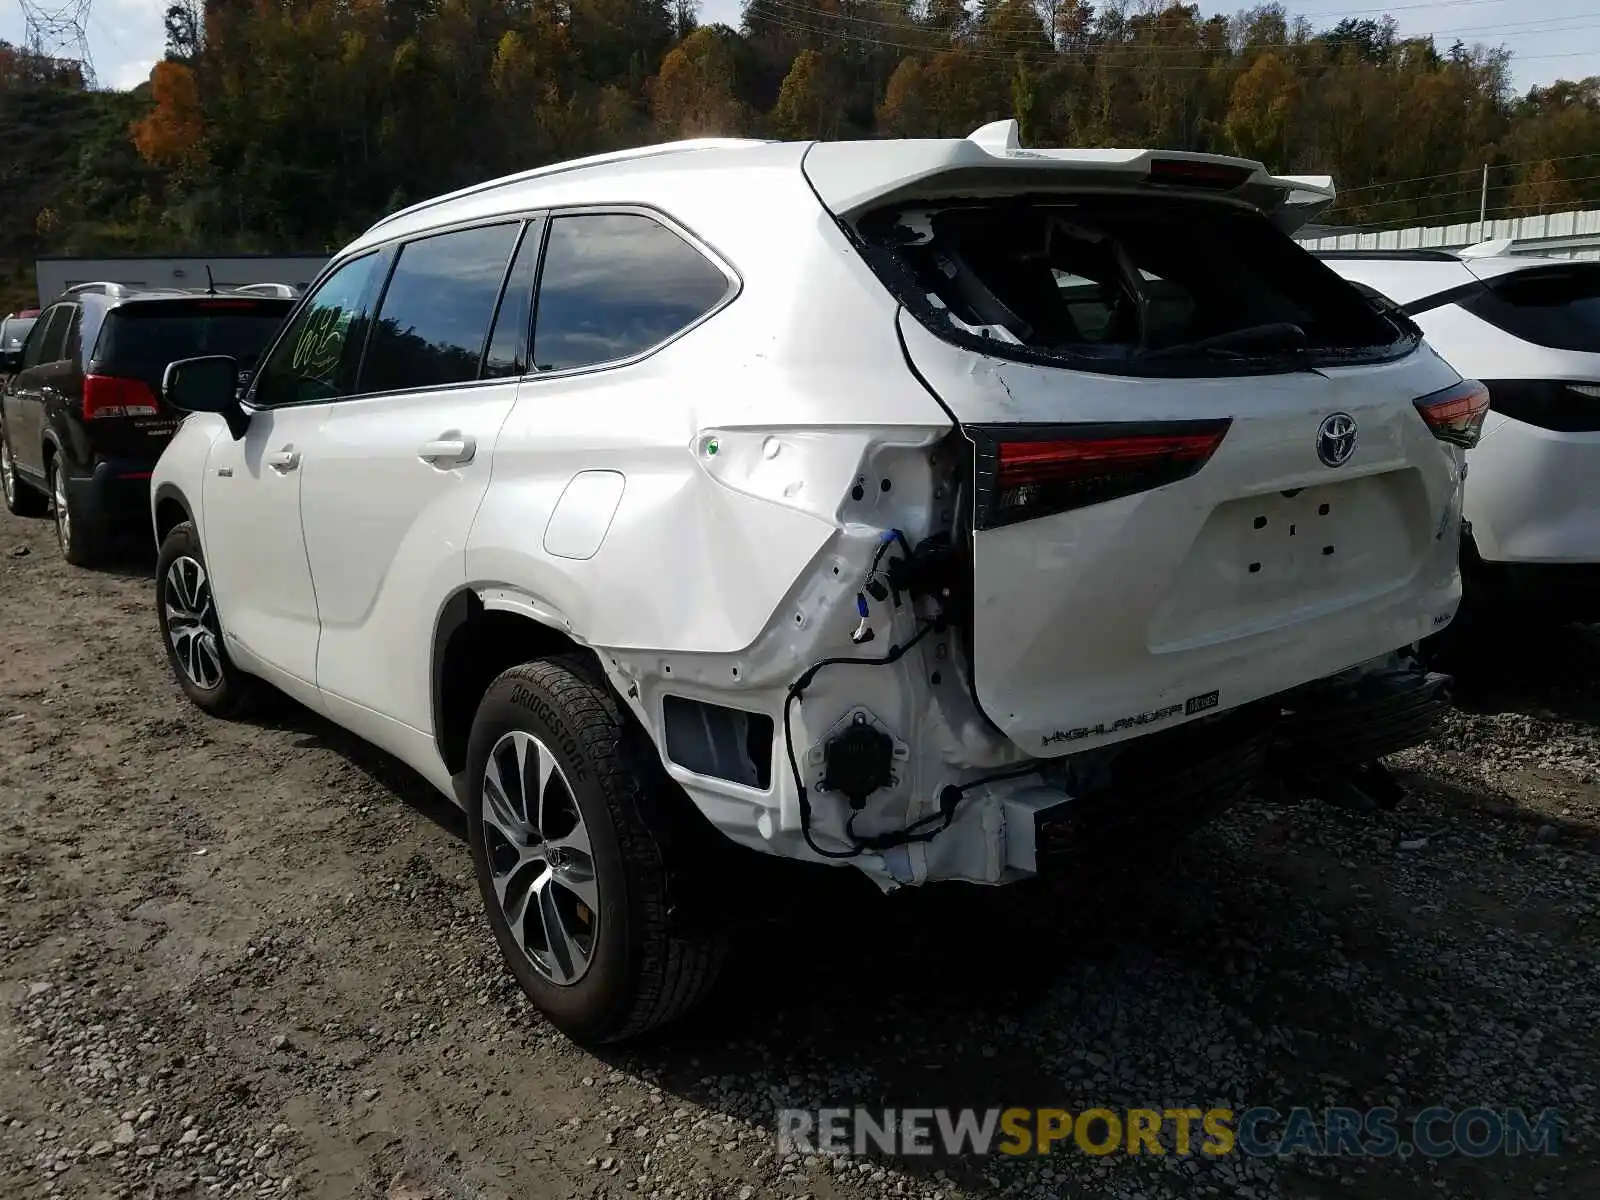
[847,176]
[1407,280]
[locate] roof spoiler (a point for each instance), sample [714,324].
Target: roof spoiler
[851,177]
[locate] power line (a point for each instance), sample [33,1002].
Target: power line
[1433,197]
[1527,162]
[1040,39]
[1046,55]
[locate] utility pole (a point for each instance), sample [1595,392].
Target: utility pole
[1483,205]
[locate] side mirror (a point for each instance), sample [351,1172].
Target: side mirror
[206,385]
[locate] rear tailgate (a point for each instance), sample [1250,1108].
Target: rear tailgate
[1264,569]
[138,339]
[1199,476]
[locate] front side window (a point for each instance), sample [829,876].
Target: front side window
[614,285]
[434,318]
[317,357]
[47,337]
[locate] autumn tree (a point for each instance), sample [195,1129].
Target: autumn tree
[811,101]
[170,135]
[1261,110]
[694,95]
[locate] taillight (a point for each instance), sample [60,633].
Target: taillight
[1186,172]
[1455,414]
[114,396]
[1029,471]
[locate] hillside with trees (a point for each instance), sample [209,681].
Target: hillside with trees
[289,125]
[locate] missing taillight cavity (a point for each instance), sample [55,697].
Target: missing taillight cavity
[1029,471]
[114,396]
[1456,414]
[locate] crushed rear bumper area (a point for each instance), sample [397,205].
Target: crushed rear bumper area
[1323,740]
[1155,790]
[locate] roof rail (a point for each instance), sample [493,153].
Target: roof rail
[1396,255]
[284,291]
[102,287]
[573,164]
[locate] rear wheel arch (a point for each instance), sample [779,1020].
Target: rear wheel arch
[472,644]
[476,643]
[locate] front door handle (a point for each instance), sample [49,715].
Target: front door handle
[284,460]
[448,451]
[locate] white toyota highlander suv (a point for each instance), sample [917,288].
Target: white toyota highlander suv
[1529,329]
[941,508]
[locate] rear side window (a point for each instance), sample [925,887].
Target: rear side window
[614,285]
[1128,285]
[434,318]
[139,339]
[48,337]
[317,355]
[1558,307]
[507,354]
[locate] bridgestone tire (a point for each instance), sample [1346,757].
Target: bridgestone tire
[642,972]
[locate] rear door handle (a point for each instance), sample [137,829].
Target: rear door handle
[284,460]
[448,451]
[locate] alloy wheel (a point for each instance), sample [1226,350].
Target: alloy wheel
[8,472]
[58,496]
[192,622]
[540,858]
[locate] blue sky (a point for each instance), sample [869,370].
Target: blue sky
[1550,39]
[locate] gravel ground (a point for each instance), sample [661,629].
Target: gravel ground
[249,960]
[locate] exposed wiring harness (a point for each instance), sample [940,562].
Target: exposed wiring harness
[925,828]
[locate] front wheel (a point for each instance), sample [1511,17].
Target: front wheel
[574,881]
[21,500]
[191,631]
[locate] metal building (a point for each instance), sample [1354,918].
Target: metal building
[57,274]
[1574,234]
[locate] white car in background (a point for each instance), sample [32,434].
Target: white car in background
[929,507]
[1529,328]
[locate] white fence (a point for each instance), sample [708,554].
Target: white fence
[1552,235]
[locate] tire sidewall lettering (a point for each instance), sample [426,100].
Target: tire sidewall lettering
[530,701]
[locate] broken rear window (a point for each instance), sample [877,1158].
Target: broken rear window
[1125,284]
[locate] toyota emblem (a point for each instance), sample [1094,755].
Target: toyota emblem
[1336,439]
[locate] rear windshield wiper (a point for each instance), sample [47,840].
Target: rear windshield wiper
[1278,337]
